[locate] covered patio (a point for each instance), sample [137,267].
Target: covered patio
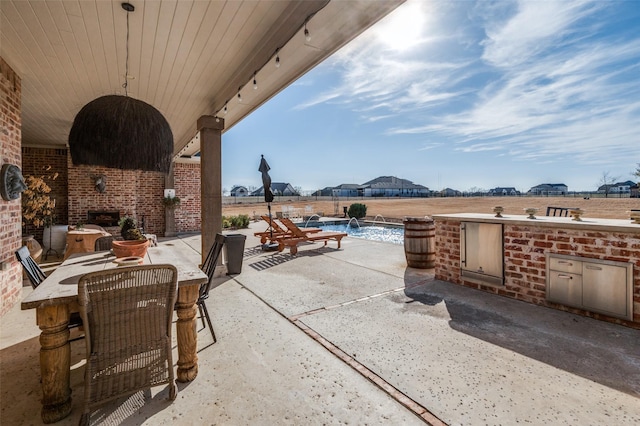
[204,65]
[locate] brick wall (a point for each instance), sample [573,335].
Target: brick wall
[10,211]
[131,192]
[187,186]
[525,264]
[51,164]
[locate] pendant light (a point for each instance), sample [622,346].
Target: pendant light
[121,132]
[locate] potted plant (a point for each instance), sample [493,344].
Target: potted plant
[171,202]
[38,209]
[134,243]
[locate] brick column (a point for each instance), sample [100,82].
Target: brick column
[169,214]
[10,211]
[210,129]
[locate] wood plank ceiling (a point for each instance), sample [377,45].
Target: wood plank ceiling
[186,58]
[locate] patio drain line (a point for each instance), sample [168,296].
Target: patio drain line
[385,386]
[382,384]
[339,305]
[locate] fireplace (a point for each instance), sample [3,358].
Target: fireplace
[103,218]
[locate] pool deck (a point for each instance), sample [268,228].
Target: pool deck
[354,336]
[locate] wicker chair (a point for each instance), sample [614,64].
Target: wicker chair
[127,313]
[209,267]
[104,243]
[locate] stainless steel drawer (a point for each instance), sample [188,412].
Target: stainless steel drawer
[565,265]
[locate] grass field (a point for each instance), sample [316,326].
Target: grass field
[397,209]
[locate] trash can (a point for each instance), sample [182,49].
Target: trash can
[235,251]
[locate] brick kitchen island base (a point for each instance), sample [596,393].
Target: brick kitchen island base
[526,244]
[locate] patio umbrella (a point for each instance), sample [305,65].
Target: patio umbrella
[268,197]
[266,179]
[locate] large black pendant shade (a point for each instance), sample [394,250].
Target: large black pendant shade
[123,133]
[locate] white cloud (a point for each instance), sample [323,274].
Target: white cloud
[536,26]
[533,79]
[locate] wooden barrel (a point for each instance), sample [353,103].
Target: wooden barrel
[419,242]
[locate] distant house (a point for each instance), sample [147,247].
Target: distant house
[448,192]
[278,188]
[324,192]
[635,191]
[617,188]
[391,186]
[547,189]
[239,191]
[347,190]
[503,192]
[383,186]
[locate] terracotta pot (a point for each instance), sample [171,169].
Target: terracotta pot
[130,248]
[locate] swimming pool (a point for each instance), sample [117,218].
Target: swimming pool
[385,234]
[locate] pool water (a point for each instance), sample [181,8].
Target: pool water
[374,233]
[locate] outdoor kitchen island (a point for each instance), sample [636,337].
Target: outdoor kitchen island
[589,267]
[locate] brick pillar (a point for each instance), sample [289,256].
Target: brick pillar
[169,214]
[210,129]
[10,210]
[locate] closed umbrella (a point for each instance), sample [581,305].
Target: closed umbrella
[266,179]
[268,197]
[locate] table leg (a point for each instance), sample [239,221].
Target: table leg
[55,353]
[186,333]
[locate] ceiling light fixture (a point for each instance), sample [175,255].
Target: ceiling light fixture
[277,58]
[307,36]
[255,83]
[239,95]
[225,109]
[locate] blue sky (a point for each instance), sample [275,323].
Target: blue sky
[463,95]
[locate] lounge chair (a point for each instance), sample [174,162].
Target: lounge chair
[297,235]
[275,231]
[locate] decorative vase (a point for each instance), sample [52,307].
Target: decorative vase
[130,248]
[576,213]
[531,212]
[35,249]
[498,211]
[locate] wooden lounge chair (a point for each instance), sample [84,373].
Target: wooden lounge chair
[297,235]
[275,231]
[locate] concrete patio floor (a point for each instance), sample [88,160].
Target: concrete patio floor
[353,336]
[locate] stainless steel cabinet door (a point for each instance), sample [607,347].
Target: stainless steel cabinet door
[565,288]
[482,248]
[605,288]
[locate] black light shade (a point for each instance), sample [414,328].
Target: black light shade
[123,133]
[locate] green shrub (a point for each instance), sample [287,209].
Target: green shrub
[357,210]
[240,221]
[226,222]
[236,222]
